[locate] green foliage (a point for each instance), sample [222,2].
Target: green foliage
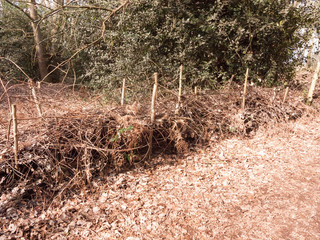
[213,39]
[120,133]
[16,42]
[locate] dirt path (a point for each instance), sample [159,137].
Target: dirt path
[267,187]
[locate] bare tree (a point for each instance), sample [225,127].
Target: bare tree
[48,14]
[55,24]
[38,41]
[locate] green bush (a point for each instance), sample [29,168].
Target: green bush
[16,43]
[213,39]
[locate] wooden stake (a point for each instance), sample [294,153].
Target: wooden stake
[285,95]
[86,161]
[9,106]
[6,92]
[195,90]
[153,102]
[123,91]
[230,81]
[245,89]
[313,83]
[9,130]
[180,84]
[15,134]
[154,97]
[35,98]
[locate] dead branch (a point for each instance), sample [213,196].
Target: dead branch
[16,65]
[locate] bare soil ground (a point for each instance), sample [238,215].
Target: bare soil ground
[263,187]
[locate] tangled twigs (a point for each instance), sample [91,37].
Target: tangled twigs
[75,147]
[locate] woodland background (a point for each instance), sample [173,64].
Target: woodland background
[98,43]
[230,160]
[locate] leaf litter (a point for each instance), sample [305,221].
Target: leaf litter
[245,178]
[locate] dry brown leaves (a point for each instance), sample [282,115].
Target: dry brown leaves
[207,195]
[266,187]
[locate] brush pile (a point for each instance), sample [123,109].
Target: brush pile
[65,152]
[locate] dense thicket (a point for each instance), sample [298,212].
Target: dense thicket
[16,41]
[212,39]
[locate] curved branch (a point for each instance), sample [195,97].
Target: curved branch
[20,9]
[89,7]
[16,65]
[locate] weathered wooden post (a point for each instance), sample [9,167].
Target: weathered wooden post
[313,83]
[123,91]
[230,81]
[153,103]
[180,90]
[245,90]
[285,95]
[35,98]
[180,85]
[15,134]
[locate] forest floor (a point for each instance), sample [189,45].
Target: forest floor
[262,187]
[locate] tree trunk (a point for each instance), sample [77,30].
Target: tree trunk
[55,25]
[38,41]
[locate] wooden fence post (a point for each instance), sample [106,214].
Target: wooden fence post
[9,107]
[180,85]
[313,83]
[154,97]
[153,103]
[230,81]
[245,90]
[15,134]
[35,98]
[123,91]
[180,90]
[285,95]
